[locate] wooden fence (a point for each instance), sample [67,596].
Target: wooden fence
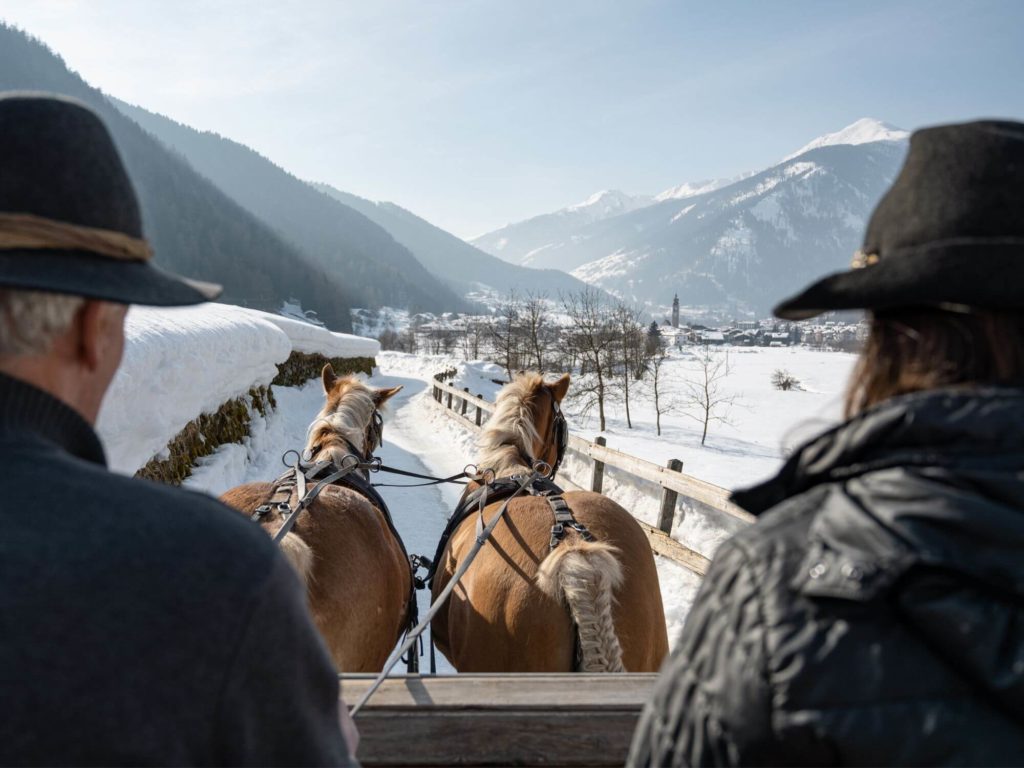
[473,410]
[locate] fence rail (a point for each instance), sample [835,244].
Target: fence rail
[673,482]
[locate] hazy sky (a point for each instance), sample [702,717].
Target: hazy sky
[474,114]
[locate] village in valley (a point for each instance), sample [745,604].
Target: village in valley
[679,327]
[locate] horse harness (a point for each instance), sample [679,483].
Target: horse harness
[499,490]
[299,487]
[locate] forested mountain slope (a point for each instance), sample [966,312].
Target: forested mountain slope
[376,269]
[460,264]
[194,227]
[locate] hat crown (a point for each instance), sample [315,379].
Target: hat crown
[59,162]
[958,181]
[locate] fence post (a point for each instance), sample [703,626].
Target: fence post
[597,481]
[449,399]
[668,500]
[462,411]
[479,410]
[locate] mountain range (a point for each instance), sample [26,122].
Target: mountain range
[744,242]
[463,266]
[377,269]
[217,210]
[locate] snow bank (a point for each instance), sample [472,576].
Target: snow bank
[313,339]
[182,362]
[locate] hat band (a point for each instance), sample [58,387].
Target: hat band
[24,230]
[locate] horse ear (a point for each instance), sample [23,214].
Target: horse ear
[329,377]
[560,387]
[381,396]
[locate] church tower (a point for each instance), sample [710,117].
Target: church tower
[675,311]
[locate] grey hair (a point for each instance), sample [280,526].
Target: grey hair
[31,320]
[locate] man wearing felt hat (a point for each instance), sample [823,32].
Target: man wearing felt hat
[874,614]
[142,624]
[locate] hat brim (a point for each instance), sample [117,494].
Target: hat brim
[80,273]
[961,272]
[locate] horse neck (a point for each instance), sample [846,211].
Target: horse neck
[505,461]
[507,439]
[335,431]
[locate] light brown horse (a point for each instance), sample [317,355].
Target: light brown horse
[356,572]
[521,606]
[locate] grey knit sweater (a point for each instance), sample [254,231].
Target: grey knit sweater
[143,624]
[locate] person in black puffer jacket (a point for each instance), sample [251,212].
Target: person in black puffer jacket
[874,614]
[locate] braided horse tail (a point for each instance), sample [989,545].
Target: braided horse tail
[297,552]
[583,575]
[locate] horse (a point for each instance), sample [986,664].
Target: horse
[357,574]
[529,603]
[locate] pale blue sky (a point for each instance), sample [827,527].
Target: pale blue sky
[475,113]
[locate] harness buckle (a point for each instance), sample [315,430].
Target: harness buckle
[261,511]
[582,530]
[557,534]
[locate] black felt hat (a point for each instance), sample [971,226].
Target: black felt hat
[949,232]
[69,218]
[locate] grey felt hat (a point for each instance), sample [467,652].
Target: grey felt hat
[69,217]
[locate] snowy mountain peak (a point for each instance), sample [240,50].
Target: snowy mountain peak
[863,131]
[694,188]
[609,202]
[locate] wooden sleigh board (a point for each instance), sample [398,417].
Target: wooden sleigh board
[501,719]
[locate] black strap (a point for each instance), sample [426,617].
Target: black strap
[496,490]
[327,473]
[306,500]
[564,519]
[455,479]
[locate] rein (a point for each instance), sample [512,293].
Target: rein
[482,535]
[293,484]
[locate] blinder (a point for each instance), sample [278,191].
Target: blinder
[561,435]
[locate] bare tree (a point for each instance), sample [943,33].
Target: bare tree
[705,394]
[407,341]
[504,333]
[474,334]
[664,400]
[591,335]
[390,340]
[784,380]
[535,325]
[629,344]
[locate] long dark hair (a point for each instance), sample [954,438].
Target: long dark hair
[912,350]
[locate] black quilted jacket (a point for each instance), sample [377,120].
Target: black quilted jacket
[874,615]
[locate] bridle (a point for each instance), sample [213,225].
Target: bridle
[560,436]
[373,439]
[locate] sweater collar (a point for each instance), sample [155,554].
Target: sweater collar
[29,411]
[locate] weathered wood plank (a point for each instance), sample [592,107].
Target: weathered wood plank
[666,546]
[484,720]
[502,691]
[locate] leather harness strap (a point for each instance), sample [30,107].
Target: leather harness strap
[565,519]
[291,497]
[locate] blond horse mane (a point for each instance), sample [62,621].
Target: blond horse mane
[510,433]
[345,416]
